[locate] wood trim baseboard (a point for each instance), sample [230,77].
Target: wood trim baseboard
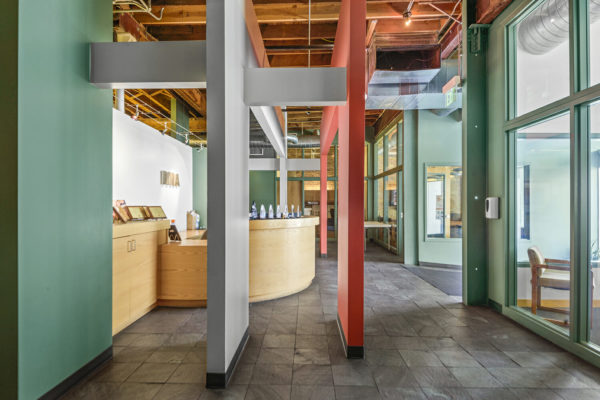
[79,375]
[182,303]
[557,303]
[216,380]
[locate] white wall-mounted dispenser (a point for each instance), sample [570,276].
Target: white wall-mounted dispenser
[492,209]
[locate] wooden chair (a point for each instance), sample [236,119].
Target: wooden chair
[548,273]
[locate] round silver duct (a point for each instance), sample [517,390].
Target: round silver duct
[548,26]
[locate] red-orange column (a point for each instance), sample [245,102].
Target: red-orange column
[323,205]
[351,137]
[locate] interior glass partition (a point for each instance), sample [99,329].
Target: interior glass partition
[543,211]
[443,214]
[594,35]
[593,112]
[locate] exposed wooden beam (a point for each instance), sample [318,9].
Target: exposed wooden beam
[295,60]
[195,98]
[451,40]
[488,10]
[178,32]
[294,12]
[298,31]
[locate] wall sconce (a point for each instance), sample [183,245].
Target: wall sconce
[169,178]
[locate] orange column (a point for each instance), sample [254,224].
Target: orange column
[323,204]
[351,140]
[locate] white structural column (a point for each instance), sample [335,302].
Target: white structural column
[228,190]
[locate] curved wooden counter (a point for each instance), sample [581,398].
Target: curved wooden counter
[282,257]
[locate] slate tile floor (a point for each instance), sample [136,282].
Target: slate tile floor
[420,344]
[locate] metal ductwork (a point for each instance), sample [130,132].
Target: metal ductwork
[411,90]
[548,26]
[305,142]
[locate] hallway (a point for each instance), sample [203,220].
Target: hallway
[420,344]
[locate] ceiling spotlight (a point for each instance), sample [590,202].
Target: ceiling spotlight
[137,112]
[406,15]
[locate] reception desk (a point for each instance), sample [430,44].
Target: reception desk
[282,262]
[135,268]
[282,257]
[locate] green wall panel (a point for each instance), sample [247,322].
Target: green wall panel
[200,185]
[263,189]
[496,164]
[439,143]
[9,200]
[64,181]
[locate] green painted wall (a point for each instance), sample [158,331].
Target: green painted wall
[64,193]
[410,182]
[200,185]
[439,143]
[263,189]
[9,200]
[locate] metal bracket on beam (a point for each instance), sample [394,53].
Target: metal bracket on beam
[477,36]
[295,86]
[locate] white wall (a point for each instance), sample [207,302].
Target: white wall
[139,154]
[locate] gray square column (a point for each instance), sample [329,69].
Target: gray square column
[228,191]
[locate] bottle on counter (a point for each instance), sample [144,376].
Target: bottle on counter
[293,213]
[263,212]
[298,214]
[253,213]
[278,214]
[270,211]
[285,212]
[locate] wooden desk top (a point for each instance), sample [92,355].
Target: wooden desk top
[188,238]
[139,227]
[261,224]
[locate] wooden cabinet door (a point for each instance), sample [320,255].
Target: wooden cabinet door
[121,284]
[145,273]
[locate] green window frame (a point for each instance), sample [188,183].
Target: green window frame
[581,94]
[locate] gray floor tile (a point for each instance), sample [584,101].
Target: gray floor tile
[189,373]
[391,393]
[179,391]
[268,392]
[477,377]
[356,393]
[535,394]
[419,358]
[311,342]
[312,392]
[492,359]
[116,372]
[272,374]
[434,377]
[447,394]
[279,340]
[311,356]
[492,394]
[136,391]
[355,373]
[456,358]
[386,376]
[275,356]
[309,374]
[233,392]
[579,394]
[152,373]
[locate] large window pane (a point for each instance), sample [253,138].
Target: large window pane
[391,193]
[379,156]
[443,201]
[594,112]
[379,195]
[595,41]
[542,51]
[543,222]
[392,148]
